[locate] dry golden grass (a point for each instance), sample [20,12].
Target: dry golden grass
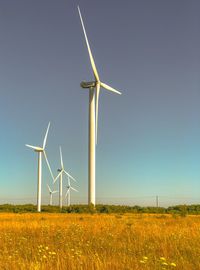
[110,242]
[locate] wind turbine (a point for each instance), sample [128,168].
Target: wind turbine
[69,187]
[61,171]
[40,151]
[94,91]
[51,194]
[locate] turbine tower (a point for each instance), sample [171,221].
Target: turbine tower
[94,91]
[61,171]
[69,187]
[40,151]
[51,195]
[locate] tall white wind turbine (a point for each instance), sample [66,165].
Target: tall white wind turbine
[61,171]
[51,192]
[40,151]
[94,91]
[69,187]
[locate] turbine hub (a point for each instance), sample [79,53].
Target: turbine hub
[88,85]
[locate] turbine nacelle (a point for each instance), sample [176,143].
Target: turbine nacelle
[88,85]
[35,148]
[39,150]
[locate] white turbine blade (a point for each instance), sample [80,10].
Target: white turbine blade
[57,177]
[68,180]
[74,189]
[48,165]
[49,189]
[97,107]
[54,191]
[37,148]
[69,175]
[66,193]
[61,158]
[107,87]
[45,138]
[96,75]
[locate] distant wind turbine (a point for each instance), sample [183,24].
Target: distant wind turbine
[61,171]
[94,91]
[40,151]
[51,192]
[69,187]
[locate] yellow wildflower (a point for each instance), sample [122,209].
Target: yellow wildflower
[173,264]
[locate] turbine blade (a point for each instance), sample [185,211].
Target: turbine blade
[97,107]
[107,87]
[96,75]
[61,158]
[54,191]
[48,165]
[66,193]
[68,180]
[37,148]
[57,177]
[45,138]
[74,189]
[49,188]
[69,175]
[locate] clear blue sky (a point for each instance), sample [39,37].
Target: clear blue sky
[149,138]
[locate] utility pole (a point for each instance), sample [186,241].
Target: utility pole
[157,204]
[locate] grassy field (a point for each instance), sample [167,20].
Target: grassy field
[99,241]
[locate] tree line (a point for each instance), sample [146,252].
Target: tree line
[100,208]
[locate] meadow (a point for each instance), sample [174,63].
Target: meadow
[32,241]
